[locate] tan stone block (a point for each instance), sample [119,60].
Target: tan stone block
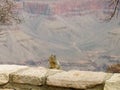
[113,83]
[77,79]
[53,71]
[5,70]
[6,89]
[33,76]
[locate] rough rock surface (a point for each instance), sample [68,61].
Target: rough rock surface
[39,78]
[6,89]
[33,76]
[77,79]
[113,83]
[53,71]
[5,70]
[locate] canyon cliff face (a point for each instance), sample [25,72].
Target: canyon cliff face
[72,30]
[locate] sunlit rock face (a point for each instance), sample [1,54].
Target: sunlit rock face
[70,29]
[82,80]
[112,83]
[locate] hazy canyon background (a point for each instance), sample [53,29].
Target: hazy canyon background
[73,30]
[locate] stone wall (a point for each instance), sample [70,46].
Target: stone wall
[15,77]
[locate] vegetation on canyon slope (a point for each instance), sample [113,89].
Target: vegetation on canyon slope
[7,14]
[115,4]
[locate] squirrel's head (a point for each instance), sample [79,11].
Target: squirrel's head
[53,56]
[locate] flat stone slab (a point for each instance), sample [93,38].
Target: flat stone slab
[5,70]
[6,89]
[32,76]
[77,79]
[53,71]
[113,83]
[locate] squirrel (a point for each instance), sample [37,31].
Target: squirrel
[53,62]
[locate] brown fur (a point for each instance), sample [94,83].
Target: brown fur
[54,64]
